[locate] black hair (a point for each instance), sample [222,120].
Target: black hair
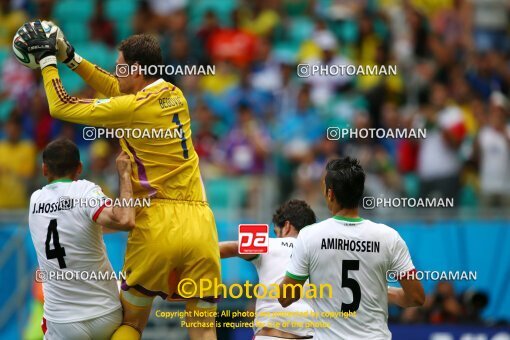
[297,212]
[346,178]
[62,157]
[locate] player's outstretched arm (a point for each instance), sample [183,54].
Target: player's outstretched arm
[297,273]
[231,249]
[290,291]
[410,295]
[101,80]
[121,218]
[111,113]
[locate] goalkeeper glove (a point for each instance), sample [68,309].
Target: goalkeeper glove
[42,47]
[66,52]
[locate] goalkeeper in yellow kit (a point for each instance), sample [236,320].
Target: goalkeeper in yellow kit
[175,238]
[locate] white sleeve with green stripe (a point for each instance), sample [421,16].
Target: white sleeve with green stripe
[300,260]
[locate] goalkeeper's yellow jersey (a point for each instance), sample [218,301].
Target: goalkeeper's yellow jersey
[165,164]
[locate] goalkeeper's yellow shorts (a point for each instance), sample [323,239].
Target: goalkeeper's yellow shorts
[172,241]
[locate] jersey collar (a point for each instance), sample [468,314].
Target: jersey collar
[61,180]
[157,82]
[348,219]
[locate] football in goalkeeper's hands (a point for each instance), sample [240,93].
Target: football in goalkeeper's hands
[21,52]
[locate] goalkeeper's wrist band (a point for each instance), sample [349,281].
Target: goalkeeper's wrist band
[74,62]
[48,61]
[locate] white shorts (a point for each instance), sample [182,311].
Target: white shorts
[100,328]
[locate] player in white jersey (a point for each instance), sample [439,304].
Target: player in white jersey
[81,296]
[288,220]
[354,256]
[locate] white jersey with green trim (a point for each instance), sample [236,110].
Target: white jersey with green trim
[78,280]
[353,255]
[271,270]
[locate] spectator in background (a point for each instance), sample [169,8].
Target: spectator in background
[418,27]
[474,303]
[170,16]
[462,95]
[245,151]
[379,88]
[246,147]
[44,9]
[490,24]
[324,87]
[179,56]
[210,25]
[300,172]
[101,29]
[342,10]
[260,101]
[232,44]
[207,130]
[299,129]
[10,21]
[296,133]
[492,154]
[407,149]
[177,21]
[486,77]
[391,120]
[380,169]
[439,163]
[308,50]
[17,166]
[453,24]
[144,20]
[443,306]
[100,170]
[261,19]
[223,79]
[265,70]
[369,40]
[308,178]
[37,121]
[17,81]
[285,97]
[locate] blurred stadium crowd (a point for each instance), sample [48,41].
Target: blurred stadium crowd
[446,306]
[256,118]
[256,122]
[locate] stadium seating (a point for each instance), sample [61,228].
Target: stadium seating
[120,10]
[4,53]
[121,13]
[5,105]
[286,51]
[76,32]
[222,9]
[98,53]
[226,192]
[77,11]
[301,28]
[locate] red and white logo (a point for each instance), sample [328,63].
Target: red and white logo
[253,238]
